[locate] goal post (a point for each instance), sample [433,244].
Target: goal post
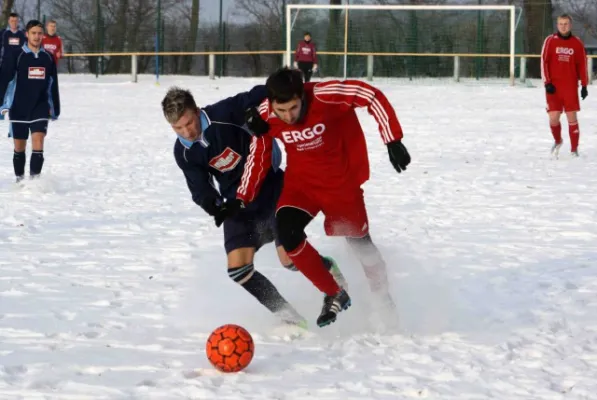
[394,36]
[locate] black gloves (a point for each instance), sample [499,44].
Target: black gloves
[399,156]
[255,123]
[550,88]
[227,210]
[584,92]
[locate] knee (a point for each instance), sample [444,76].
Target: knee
[241,274]
[290,233]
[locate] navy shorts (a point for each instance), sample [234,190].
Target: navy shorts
[256,225]
[20,130]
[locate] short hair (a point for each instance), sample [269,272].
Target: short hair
[565,16]
[307,33]
[176,102]
[32,24]
[51,21]
[284,85]
[13,15]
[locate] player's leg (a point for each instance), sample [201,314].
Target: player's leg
[20,134]
[38,135]
[571,107]
[291,223]
[554,110]
[241,243]
[306,69]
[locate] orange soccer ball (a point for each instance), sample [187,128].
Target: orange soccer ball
[230,348]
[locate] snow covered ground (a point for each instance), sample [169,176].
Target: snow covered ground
[111,278]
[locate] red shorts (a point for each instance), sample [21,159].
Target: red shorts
[345,214]
[564,99]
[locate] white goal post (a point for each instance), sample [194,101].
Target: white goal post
[289,23]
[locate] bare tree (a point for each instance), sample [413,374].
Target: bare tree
[6,10]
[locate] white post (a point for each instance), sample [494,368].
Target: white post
[523,69]
[512,44]
[456,68]
[369,67]
[590,69]
[134,68]
[212,65]
[288,38]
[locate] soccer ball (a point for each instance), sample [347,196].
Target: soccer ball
[230,348]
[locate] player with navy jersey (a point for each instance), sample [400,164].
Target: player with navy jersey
[29,93]
[211,148]
[11,38]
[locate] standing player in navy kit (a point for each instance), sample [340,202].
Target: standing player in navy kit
[11,38]
[212,146]
[29,90]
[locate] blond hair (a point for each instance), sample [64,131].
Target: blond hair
[176,102]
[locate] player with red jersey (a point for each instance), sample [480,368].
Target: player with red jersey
[327,162]
[563,64]
[51,42]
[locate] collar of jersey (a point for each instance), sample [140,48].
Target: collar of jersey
[205,123]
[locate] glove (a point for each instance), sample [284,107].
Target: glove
[399,156]
[550,88]
[584,92]
[228,209]
[314,67]
[295,65]
[255,123]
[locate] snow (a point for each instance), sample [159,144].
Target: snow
[111,278]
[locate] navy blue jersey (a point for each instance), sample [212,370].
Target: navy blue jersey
[29,86]
[11,43]
[219,155]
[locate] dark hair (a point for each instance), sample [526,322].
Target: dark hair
[32,24]
[307,33]
[15,15]
[284,85]
[565,16]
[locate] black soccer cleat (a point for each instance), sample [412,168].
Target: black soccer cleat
[332,305]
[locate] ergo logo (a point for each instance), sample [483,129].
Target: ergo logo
[564,50]
[305,134]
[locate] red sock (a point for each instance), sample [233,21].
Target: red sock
[307,260]
[574,135]
[556,131]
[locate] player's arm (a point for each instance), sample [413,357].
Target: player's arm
[351,94]
[256,168]
[233,108]
[546,51]
[53,92]
[199,184]
[8,82]
[581,64]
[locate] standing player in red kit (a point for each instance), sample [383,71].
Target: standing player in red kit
[305,57]
[327,162]
[51,42]
[563,64]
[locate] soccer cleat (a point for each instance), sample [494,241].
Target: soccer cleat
[574,153]
[331,266]
[332,305]
[555,149]
[20,178]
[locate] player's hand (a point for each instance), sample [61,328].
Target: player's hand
[255,123]
[399,156]
[295,65]
[584,92]
[228,209]
[550,88]
[314,67]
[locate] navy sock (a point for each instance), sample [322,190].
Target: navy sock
[36,163]
[18,161]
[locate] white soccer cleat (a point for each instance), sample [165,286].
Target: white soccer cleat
[555,149]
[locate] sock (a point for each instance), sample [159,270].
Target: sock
[372,262]
[556,131]
[326,262]
[18,161]
[37,161]
[574,135]
[258,286]
[310,263]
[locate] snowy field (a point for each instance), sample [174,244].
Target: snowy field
[111,278]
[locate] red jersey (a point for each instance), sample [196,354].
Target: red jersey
[305,52]
[564,61]
[53,45]
[326,150]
